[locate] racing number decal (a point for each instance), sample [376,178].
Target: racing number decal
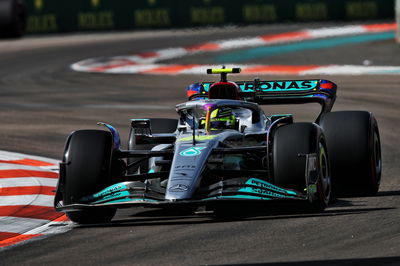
[193,151]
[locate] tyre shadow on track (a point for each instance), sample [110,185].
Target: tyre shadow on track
[379,194]
[159,217]
[368,261]
[388,193]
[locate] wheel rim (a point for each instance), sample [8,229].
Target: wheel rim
[377,159]
[325,178]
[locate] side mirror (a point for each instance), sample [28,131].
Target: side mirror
[182,128]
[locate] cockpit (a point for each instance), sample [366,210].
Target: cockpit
[217,115]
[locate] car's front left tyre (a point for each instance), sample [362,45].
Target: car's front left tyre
[87,160]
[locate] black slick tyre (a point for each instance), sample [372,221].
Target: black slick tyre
[355,152]
[290,145]
[13,18]
[87,161]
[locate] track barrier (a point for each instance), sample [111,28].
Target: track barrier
[47,16]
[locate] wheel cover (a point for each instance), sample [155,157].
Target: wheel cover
[377,159]
[325,177]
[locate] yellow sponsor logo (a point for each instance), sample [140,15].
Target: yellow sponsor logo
[260,13]
[96,20]
[362,9]
[152,17]
[312,11]
[42,23]
[207,15]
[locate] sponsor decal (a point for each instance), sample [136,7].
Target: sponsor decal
[115,195]
[186,167]
[178,188]
[262,192]
[264,185]
[289,85]
[110,192]
[193,151]
[181,173]
[280,86]
[312,162]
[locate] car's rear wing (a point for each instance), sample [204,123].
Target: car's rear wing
[281,92]
[273,92]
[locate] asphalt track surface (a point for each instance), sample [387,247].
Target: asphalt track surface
[42,101]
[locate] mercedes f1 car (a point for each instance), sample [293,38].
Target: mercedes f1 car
[223,150]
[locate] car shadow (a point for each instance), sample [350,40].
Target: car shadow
[162,217]
[388,193]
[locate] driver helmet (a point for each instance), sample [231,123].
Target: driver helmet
[223,118]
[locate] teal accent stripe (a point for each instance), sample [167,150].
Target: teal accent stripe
[129,200]
[116,195]
[110,192]
[268,51]
[119,200]
[266,188]
[393,71]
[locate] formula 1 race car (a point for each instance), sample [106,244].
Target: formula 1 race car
[223,151]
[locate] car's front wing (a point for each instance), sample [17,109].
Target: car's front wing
[151,194]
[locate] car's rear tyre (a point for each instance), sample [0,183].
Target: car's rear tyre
[355,152]
[290,144]
[87,159]
[158,125]
[13,18]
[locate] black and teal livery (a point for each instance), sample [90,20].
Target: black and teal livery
[190,162]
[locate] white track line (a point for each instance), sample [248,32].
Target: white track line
[148,63]
[20,225]
[27,200]
[27,181]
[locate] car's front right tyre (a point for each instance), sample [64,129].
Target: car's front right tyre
[291,144]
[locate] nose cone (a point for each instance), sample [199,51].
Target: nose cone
[187,166]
